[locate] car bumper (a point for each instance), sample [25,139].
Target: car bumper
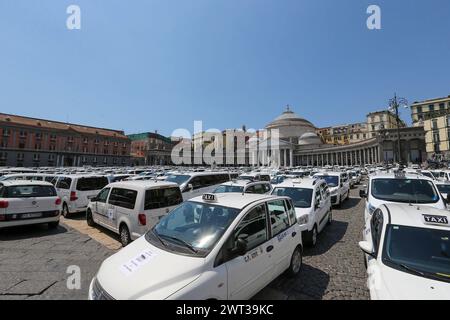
[15,223]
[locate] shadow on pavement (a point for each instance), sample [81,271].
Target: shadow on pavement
[348,204]
[29,231]
[329,236]
[310,284]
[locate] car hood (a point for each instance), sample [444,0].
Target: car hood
[399,285]
[162,275]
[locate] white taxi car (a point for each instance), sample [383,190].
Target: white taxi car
[407,252]
[312,202]
[28,202]
[130,208]
[339,185]
[218,246]
[239,186]
[400,187]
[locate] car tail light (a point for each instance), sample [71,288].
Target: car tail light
[58,201]
[142,219]
[73,196]
[4,204]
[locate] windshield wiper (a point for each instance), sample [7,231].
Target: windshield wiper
[158,237]
[186,244]
[406,267]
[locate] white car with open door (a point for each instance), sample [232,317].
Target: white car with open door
[28,202]
[407,253]
[219,246]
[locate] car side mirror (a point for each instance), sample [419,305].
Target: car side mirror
[448,198]
[241,244]
[94,199]
[367,248]
[362,193]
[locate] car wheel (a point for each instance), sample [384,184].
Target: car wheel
[89,218]
[296,262]
[125,237]
[53,225]
[330,217]
[65,210]
[311,237]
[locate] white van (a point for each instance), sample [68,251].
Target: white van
[130,208]
[75,191]
[28,202]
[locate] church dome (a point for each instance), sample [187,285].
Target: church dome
[309,138]
[290,125]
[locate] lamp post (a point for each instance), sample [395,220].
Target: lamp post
[394,104]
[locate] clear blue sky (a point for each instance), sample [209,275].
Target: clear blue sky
[142,65]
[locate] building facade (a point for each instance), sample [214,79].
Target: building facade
[151,148]
[33,142]
[343,134]
[432,108]
[437,136]
[382,120]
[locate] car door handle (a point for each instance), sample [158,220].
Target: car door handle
[294,234]
[269,248]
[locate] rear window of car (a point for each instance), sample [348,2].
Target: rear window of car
[124,198]
[64,183]
[161,198]
[27,191]
[91,183]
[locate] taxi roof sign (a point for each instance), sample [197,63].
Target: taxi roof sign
[400,174]
[436,220]
[210,197]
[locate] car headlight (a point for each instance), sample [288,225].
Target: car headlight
[371,208]
[303,219]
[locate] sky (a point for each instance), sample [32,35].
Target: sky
[146,65]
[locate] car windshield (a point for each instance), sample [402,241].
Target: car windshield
[178,178]
[423,251]
[225,189]
[332,181]
[301,197]
[404,190]
[443,188]
[247,178]
[427,174]
[192,228]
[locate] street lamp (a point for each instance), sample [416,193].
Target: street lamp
[394,104]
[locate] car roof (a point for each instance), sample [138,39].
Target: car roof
[412,215]
[407,176]
[309,183]
[242,183]
[235,200]
[9,183]
[142,184]
[329,173]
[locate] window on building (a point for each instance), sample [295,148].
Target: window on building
[36,157]
[431,107]
[436,138]
[434,124]
[22,134]
[419,109]
[441,106]
[6,132]
[37,146]
[38,135]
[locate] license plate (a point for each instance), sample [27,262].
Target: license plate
[31,215]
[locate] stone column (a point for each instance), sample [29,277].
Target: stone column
[291,158]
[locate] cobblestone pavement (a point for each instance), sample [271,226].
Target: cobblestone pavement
[34,260]
[334,269]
